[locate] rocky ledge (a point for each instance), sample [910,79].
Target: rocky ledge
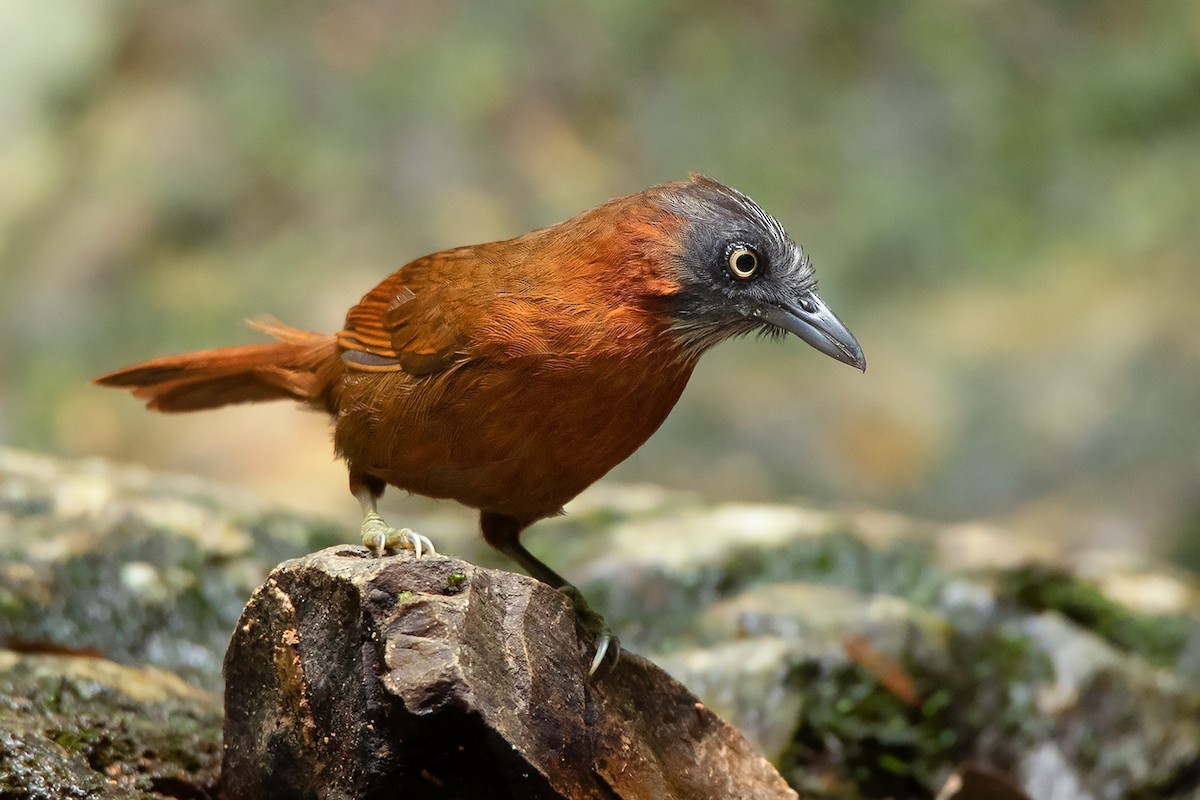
[355,676]
[865,654]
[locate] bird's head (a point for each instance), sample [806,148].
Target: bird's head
[738,271]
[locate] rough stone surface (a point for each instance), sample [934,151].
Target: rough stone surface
[77,727]
[353,676]
[868,654]
[135,566]
[865,653]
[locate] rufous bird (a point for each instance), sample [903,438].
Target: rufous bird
[511,376]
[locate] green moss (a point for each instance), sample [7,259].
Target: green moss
[1159,638]
[181,618]
[672,617]
[904,569]
[76,740]
[108,740]
[856,738]
[455,581]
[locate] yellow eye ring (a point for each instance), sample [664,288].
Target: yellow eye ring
[743,263]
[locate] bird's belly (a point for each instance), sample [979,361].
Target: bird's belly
[518,443]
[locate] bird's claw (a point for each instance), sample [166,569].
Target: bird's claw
[603,643]
[608,647]
[378,537]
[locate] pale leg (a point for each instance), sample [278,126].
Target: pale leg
[380,537]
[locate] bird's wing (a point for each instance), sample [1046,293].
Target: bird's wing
[417,321]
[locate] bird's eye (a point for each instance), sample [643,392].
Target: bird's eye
[743,263]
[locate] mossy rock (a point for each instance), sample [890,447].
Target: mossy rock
[85,727]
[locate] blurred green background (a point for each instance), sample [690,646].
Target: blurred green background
[1002,199]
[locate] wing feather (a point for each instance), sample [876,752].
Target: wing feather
[417,321]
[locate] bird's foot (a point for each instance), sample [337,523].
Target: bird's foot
[379,537]
[608,648]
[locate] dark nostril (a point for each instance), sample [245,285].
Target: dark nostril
[808,304]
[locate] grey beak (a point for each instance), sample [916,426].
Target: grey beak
[810,319]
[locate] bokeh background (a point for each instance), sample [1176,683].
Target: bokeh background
[1002,199]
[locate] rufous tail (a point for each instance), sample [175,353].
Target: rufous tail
[300,365]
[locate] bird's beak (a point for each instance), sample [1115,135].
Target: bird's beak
[809,318]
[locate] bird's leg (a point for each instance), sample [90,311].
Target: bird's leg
[503,533]
[379,537]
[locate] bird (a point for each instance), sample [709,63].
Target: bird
[510,376]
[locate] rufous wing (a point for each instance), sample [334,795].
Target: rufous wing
[415,321]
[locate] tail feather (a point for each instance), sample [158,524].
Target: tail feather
[300,365]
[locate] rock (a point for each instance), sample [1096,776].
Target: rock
[865,653]
[84,727]
[351,676]
[140,567]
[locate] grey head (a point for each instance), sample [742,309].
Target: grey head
[741,273]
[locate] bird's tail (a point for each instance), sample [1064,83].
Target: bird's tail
[300,365]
